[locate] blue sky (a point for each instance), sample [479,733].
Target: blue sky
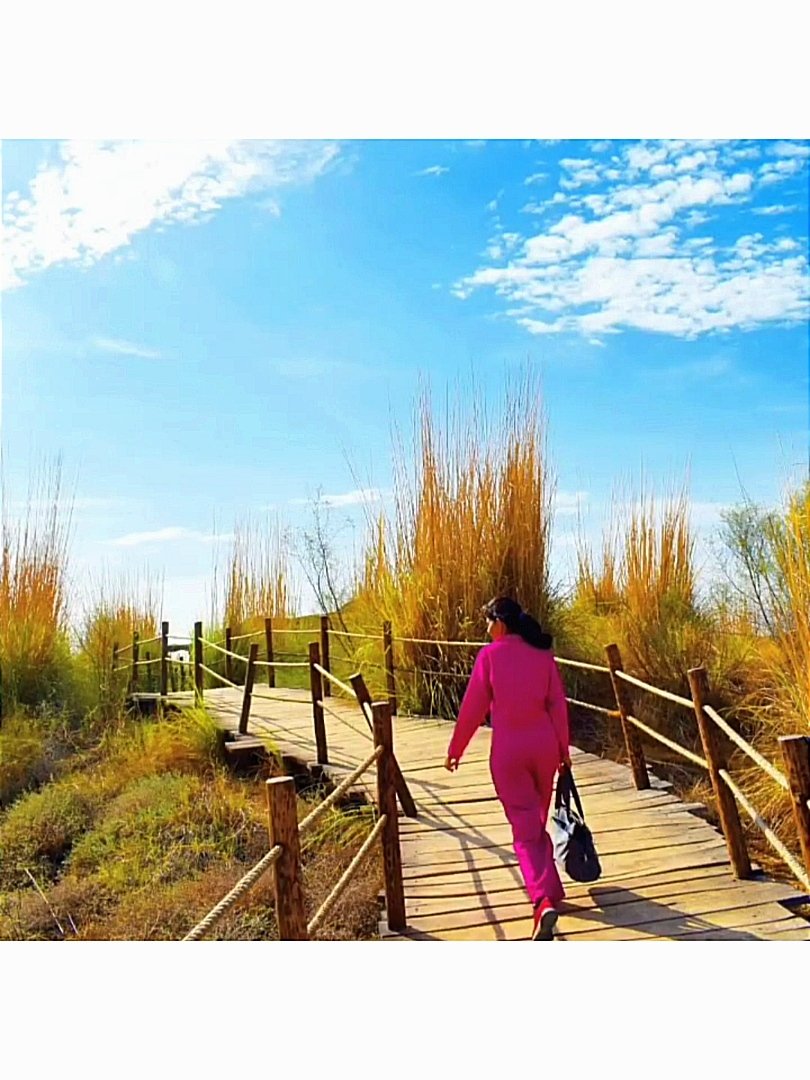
[206,330]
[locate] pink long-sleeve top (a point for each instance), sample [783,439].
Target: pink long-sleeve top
[519,686]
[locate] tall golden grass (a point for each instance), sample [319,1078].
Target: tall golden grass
[472,519]
[116,608]
[256,578]
[33,595]
[643,594]
[792,631]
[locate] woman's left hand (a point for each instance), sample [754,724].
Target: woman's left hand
[451,763]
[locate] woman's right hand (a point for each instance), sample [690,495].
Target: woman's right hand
[565,762]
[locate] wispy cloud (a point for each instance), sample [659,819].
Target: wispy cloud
[569,502]
[433,170]
[169,535]
[625,256]
[357,497]
[712,367]
[99,195]
[126,348]
[769,211]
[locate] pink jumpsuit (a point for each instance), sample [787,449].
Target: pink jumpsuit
[520,687]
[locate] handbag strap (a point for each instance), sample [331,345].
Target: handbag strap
[565,789]
[575,793]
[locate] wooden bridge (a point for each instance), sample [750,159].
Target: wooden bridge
[451,873]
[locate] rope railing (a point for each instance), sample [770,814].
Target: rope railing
[339,791]
[786,855]
[696,759]
[351,634]
[614,714]
[581,664]
[246,882]
[225,652]
[346,876]
[432,641]
[676,698]
[282,663]
[216,675]
[337,682]
[746,748]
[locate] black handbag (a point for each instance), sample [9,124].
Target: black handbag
[574,849]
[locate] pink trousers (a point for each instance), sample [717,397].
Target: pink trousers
[523,765]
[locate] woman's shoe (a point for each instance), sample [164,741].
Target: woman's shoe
[545,919]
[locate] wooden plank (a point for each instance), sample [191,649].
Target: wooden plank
[478,857]
[690,855]
[454,849]
[458,889]
[711,879]
[708,906]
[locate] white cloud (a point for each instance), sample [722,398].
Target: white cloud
[536,178]
[170,534]
[792,149]
[100,195]
[433,170]
[772,172]
[622,257]
[126,348]
[778,208]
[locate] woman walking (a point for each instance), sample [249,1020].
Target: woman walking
[515,679]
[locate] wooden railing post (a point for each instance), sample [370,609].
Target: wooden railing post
[387,802]
[198,663]
[358,684]
[228,659]
[327,688]
[390,673]
[114,657]
[316,689]
[283,827]
[715,754]
[164,659]
[250,675]
[632,740]
[133,677]
[148,666]
[268,643]
[796,756]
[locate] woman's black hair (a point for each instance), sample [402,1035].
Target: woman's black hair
[518,621]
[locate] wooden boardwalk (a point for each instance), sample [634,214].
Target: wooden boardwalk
[666,873]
